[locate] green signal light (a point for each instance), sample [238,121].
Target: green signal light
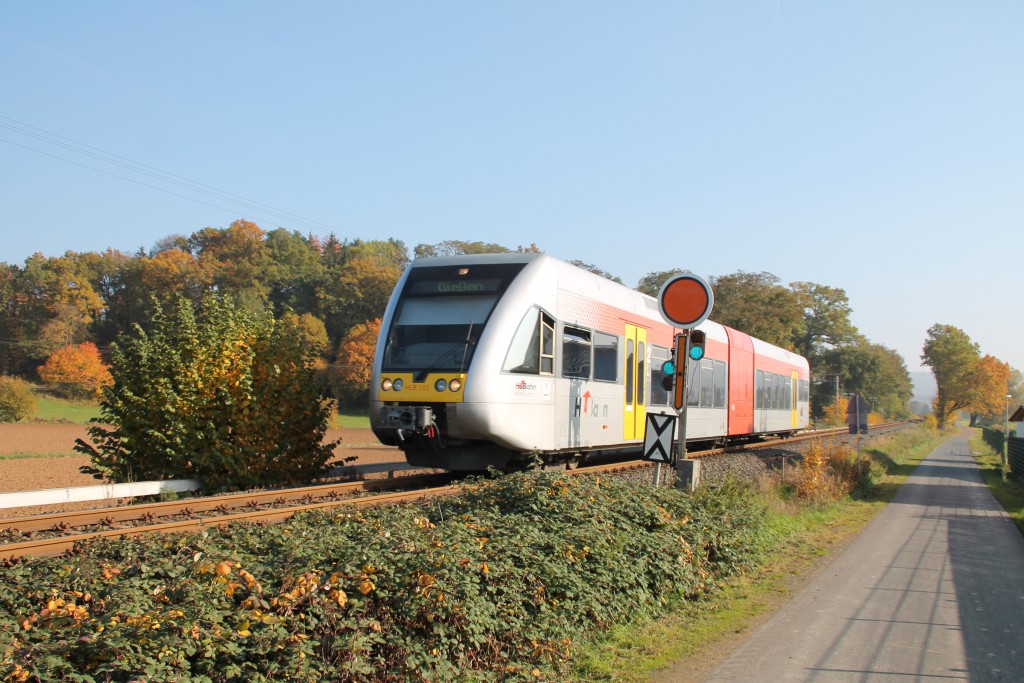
[668,367]
[696,352]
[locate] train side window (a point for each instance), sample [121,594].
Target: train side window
[576,350]
[641,373]
[707,383]
[629,371]
[759,390]
[720,375]
[659,354]
[769,391]
[805,389]
[606,357]
[693,375]
[532,349]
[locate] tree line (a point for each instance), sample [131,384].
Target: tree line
[335,292]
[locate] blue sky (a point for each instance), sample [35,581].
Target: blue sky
[876,147]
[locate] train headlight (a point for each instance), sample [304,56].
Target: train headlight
[440,385]
[385,384]
[398,384]
[455,385]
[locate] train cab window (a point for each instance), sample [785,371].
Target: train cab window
[805,391]
[532,350]
[547,345]
[659,397]
[576,352]
[606,357]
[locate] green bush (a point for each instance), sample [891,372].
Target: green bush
[496,584]
[17,402]
[213,394]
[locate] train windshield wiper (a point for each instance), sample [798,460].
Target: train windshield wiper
[464,345]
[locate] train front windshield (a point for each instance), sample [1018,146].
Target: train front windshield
[441,314]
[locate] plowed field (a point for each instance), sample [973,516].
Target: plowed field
[53,463]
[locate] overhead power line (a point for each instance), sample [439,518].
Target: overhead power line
[256,210]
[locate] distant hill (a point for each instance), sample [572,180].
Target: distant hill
[924,386]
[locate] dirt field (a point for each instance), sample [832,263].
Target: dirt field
[58,465]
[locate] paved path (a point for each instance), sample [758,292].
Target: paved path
[932,590]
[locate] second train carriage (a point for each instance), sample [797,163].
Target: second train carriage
[486,360]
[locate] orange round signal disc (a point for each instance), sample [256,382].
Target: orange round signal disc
[686,300]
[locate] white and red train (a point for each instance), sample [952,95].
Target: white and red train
[489,360]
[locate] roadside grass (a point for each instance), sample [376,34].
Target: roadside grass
[696,635]
[1009,492]
[53,409]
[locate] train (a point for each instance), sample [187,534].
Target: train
[506,360]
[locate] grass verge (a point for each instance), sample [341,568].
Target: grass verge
[688,643]
[1009,492]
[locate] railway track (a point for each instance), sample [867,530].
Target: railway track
[56,533]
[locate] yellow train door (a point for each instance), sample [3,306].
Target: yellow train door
[634,414]
[795,398]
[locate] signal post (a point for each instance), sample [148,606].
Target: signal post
[685,301]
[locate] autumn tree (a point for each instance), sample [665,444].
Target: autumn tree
[1016,388]
[48,287]
[354,364]
[589,267]
[144,282]
[215,393]
[757,304]
[990,385]
[887,385]
[239,260]
[311,333]
[17,402]
[459,248]
[295,272]
[652,283]
[952,356]
[826,318]
[360,293]
[77,372]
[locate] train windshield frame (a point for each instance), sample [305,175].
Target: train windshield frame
[441,314]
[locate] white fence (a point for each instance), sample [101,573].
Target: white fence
[77,494]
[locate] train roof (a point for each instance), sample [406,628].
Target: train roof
[610,291]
